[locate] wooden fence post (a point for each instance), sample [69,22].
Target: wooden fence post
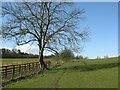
[36,68]
[33,67]
[29,67]
[20,70]
[38,64]
[25,71]
[13,71]
[5,72]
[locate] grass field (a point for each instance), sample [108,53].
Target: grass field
[83,74]
[8,61]
[18,60]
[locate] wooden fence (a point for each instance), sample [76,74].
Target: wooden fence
[12,72]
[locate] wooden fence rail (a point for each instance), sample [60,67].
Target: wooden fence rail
[11,72]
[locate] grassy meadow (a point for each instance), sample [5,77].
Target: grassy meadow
[8,61]
[101,73]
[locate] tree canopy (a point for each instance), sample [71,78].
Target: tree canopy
[66,55]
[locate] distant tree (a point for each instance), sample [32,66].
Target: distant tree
[3,52]
[79,57]
[6,53]
[15,50]
[66,55]
[105,56]
[86,57]
[19,51]
[50,24]
[98,57]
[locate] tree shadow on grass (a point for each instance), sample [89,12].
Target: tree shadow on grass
[86,67]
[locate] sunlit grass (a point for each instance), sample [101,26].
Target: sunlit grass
[7,61]
[83,74]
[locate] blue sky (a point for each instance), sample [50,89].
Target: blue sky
[102,19]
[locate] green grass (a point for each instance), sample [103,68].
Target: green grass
[7,61]
[106,78]
[83,74]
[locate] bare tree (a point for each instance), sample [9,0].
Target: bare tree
[53,25]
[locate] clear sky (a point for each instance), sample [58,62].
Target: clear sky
[102,19]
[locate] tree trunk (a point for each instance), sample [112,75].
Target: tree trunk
[43,66]
[41,61]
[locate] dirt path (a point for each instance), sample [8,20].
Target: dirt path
[58,79]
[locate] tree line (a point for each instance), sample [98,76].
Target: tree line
[14,53]
[66,54]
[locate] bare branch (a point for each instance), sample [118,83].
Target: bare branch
[52,49]
[52,24]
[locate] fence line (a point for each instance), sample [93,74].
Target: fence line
[11,72]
